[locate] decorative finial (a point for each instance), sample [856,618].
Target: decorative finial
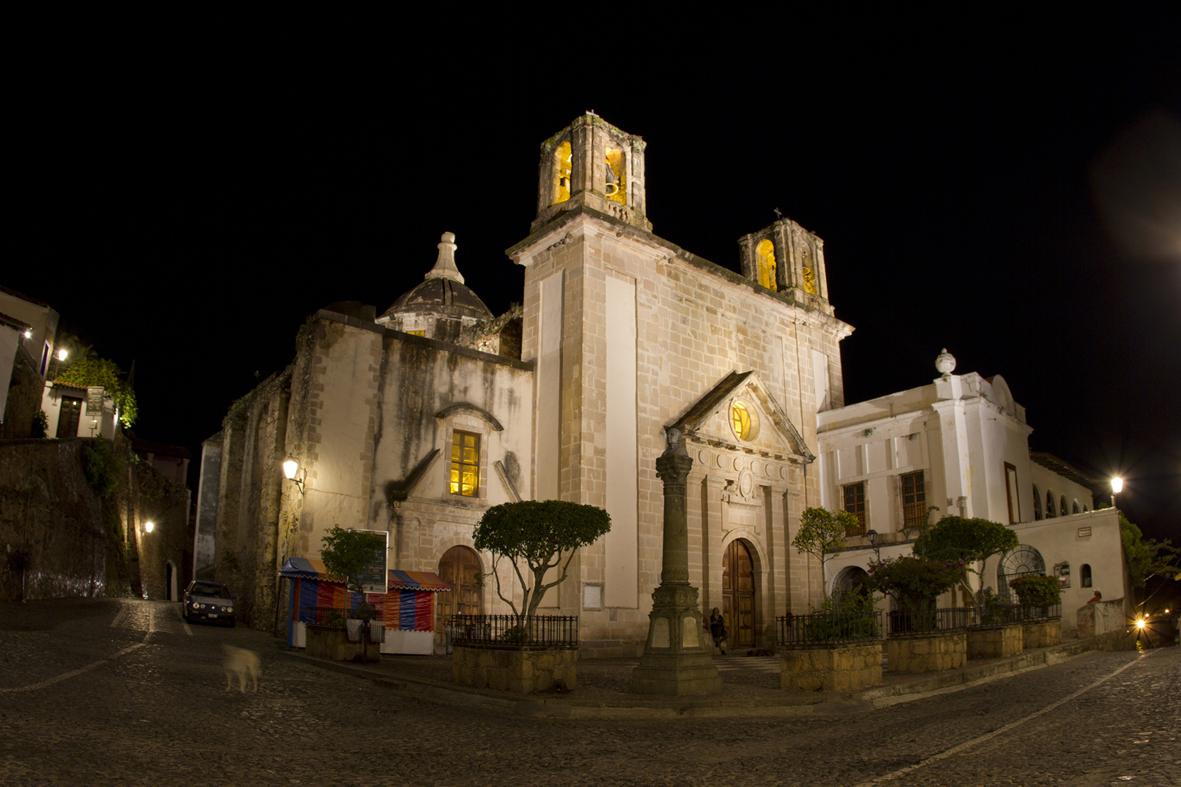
[945,363]
[445,264]
[778,215]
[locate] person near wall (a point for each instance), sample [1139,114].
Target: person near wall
[717,629]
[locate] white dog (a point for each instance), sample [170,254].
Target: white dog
[240,662]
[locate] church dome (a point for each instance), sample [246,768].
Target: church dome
[442,306]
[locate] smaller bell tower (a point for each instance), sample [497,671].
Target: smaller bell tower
[592,163]
[787,258]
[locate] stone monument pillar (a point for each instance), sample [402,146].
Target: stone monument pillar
[676,660]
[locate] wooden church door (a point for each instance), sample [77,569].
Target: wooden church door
[738,595]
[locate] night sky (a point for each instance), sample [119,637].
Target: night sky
[1006,187]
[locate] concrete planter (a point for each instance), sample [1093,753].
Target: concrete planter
[519,671]
[932,652]
[838,667]
[1042,633]
[995,642]
[333,644]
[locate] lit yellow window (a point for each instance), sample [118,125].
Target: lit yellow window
[765,257]
[465,464]
[562,172]
[740,418]
[417,333]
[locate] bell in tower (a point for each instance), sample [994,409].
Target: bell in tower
[787,258]
[592,164]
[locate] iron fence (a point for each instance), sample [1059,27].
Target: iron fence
[828,628]
[1007,614]
[924,619]
[511,631]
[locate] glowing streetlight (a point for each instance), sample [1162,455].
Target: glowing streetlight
[149,526]
[1117,486]
[290,468]
[62,354]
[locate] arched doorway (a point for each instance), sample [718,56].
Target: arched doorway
[460,568]
[1019,562]
[738,595]
[852,579]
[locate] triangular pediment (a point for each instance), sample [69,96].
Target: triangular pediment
[740,413]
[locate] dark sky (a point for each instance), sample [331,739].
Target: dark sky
[1007,187]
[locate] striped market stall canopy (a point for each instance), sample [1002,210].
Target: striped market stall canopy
[313,568]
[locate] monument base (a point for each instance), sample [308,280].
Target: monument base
[676,661]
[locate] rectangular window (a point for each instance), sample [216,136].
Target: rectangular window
[854,498]
[1011,493]
[465,464]
[914,500]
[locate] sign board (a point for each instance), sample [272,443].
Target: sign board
[94,400]
[375,577]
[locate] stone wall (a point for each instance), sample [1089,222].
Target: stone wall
[995,642]
[24,399]
[518,671]
[927,652]
[1042,634]
[838,668]
[81,544]
[334,644]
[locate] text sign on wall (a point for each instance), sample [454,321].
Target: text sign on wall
[94,400]
[375,576]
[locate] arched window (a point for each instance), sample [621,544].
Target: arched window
[765,259]
[1062,509]
[1050,505]
[1084,575]
[1074,509]
[562,172]
[616,181]
[1037,503]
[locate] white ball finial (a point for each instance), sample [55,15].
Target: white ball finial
[945,363]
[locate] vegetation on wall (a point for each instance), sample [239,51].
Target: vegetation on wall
[94,371]
[1147,557]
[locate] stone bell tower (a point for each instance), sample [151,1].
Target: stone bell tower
[787,258]
[592,163]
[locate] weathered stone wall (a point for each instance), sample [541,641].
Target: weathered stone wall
[24,398]
[518,671]
[837,668]
[927,652]
[77,543]
[995,642]
[247,552]
[1042,634]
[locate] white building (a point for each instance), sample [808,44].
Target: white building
[961,443]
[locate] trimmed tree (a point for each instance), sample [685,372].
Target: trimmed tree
[822,532]
[536,536]
[955,539]
[347,553]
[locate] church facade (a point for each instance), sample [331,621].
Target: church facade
[416,421]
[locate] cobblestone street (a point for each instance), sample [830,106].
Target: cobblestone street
[122,692]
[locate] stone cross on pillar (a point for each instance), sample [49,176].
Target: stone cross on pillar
[677,660]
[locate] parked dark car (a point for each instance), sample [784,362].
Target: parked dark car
[208,601]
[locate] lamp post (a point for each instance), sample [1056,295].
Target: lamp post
[290,468]
[1117,486]
[873,542]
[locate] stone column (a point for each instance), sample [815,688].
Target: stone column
[676,658]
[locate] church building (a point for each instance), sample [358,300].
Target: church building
[417,420]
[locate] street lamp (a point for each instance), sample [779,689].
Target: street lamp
[290,468]
[1117,486]
[873,542]
[149,526]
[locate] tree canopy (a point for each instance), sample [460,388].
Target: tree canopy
[348,553]
[1146,556]
[823,532]
[91,370]
[537,533]
[956,538]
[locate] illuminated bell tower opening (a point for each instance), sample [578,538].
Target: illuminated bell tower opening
[592,164]
[788,259]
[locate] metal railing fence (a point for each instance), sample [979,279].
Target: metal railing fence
[510,631]
[828,628]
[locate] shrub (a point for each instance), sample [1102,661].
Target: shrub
[913,581]
[1037,591]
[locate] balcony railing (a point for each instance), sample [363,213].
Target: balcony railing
[510,631]
[823,628]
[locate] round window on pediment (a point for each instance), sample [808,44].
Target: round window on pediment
[743,420]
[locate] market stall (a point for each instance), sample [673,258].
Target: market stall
[407,609]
